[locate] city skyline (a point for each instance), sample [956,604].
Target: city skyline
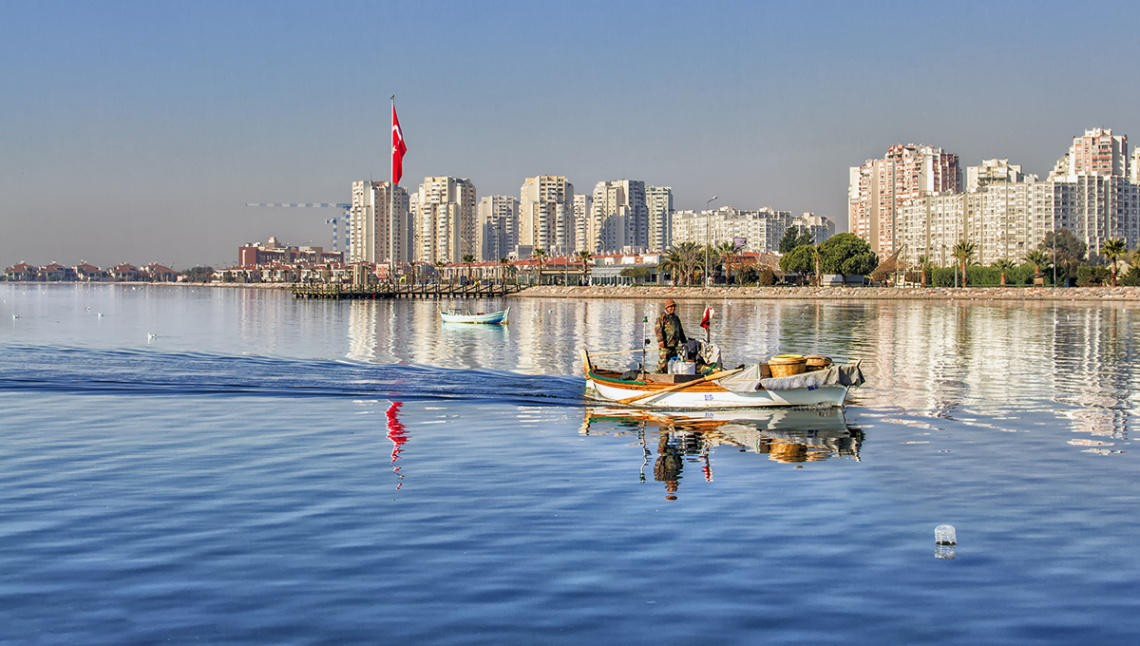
[134,131]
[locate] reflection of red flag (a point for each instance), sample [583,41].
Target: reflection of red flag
[706,318]
[398,148]
[398,435]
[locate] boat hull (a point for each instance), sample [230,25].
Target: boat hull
[499,318]
[709,395]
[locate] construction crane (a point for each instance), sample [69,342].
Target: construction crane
[320,205]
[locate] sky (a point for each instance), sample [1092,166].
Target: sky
[138,131]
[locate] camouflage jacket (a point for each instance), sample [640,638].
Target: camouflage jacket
[669,330]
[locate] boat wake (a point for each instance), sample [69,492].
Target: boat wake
[82,370]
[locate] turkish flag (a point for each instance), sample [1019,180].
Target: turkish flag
[398,148]
[706,318]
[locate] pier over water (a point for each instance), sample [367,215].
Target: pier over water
[337,292]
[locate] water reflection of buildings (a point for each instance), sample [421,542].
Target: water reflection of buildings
[784,435]
[996,357]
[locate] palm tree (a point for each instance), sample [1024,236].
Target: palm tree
[672,264]
[1004,266]
[963,251]
[1113,250]
[584,256]
[724,251]
[1039,259]
[504,263]
[438,274]
[539,253]
[682,261]
[468,259]
[923,265]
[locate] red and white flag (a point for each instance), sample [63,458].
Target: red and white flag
[398,148]
[707,317]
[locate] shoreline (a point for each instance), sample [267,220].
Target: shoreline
[661,292]
[720,292]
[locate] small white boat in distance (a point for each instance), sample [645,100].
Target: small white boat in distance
[464,315]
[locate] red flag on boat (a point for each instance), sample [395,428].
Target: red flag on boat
[398,148]
[707,317]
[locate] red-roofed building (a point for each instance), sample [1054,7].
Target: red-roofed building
[157,273]
[54,273]
[22,271]
[125,272]
[88,273]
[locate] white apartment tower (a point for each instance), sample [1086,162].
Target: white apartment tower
[496,226]
[1091,191]
[659,202]
[546,214]
[619,218]
[443,218]
[879,187]
[379,230]
[582,222]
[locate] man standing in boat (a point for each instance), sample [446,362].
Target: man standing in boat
[670,335]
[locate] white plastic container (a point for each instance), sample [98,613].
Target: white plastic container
[678,367]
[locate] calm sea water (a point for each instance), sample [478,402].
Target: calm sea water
[227,466]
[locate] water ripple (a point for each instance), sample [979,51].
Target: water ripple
[78,370]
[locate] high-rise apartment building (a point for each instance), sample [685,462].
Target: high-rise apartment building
[1098,152]
[879,187]
[659,204]
[496,226]
[443,219]
[582,204]
[1091,191]
[379,229]
[619,218]
[546,214]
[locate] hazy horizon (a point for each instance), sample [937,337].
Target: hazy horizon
[138,131]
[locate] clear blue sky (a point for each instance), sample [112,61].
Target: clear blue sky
[137,131]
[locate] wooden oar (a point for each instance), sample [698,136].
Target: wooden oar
[681,386]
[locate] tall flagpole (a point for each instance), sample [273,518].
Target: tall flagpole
[392,207]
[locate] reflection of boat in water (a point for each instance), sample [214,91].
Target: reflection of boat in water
[463,315]
[820,433]
[746,387]
[783,434]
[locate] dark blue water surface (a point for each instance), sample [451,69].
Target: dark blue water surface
[228,466]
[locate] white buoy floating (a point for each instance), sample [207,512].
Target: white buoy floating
[945,542]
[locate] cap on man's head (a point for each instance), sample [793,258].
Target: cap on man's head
[670,303]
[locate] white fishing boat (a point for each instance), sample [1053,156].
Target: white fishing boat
[750,386]
[463,315]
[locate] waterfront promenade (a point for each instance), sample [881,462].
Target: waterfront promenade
[656,292]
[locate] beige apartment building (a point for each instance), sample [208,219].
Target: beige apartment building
[659,204]
[546,215]
[1091,191]
[496,227]
[443,220]
[878,188]
[619,218]
[379,228]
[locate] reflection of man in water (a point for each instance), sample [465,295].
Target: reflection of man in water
[667,469]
